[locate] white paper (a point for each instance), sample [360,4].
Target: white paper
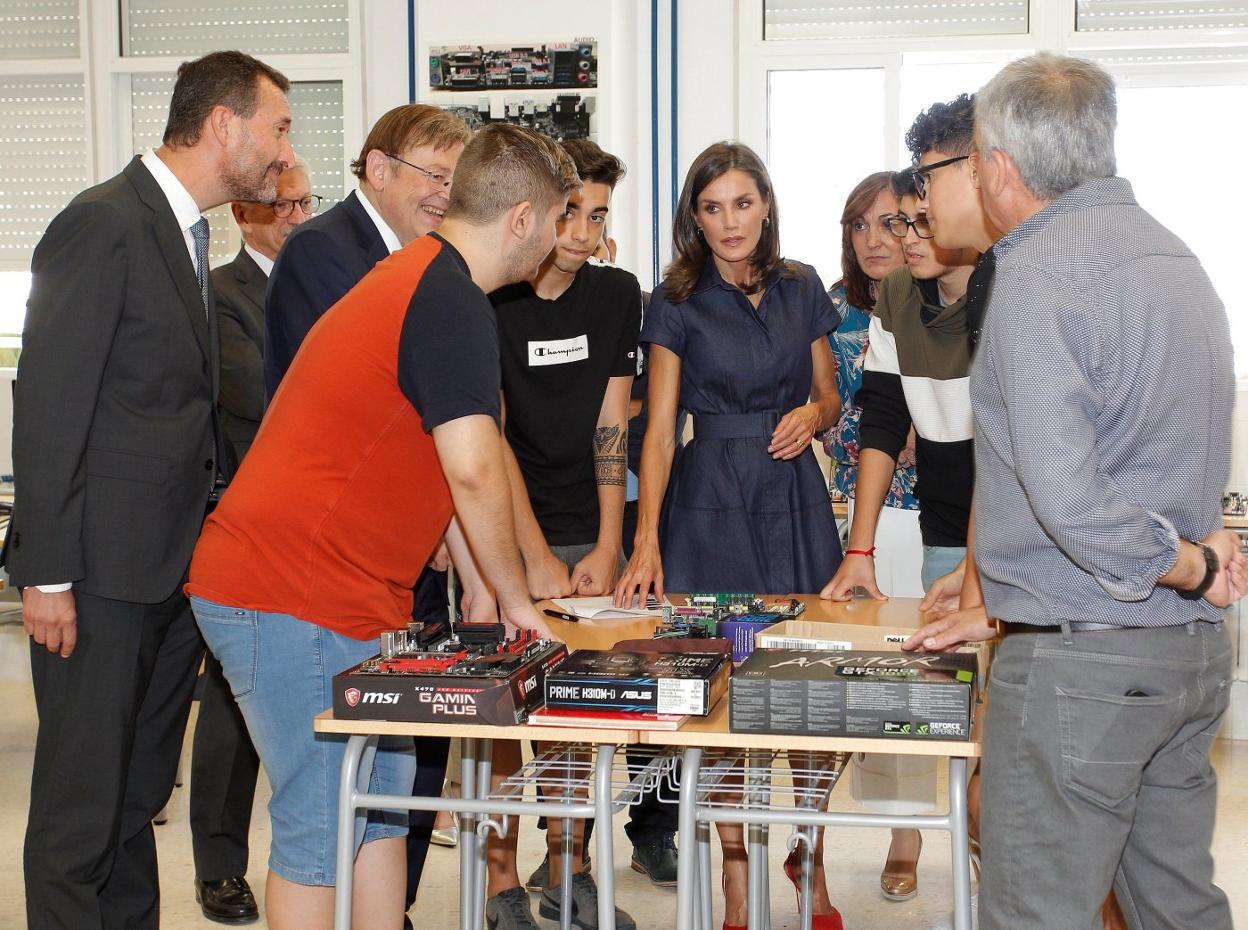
[603,608]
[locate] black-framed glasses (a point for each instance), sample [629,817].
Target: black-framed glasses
[438,180]
[923,172]
[899,224]
[309,205]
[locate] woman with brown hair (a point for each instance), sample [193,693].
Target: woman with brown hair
[738,337]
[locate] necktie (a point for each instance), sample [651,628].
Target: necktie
[199,232]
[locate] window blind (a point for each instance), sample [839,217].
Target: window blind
[316,134]
[1134,15]
[168,28]
[43,148]
[875,19]
[38,29]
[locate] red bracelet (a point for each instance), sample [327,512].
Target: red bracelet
[869,553]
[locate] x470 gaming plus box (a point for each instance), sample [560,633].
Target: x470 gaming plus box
[868,694]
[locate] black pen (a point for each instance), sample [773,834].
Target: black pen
[560,615]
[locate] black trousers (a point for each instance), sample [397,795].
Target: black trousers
[111,721]
[224,766]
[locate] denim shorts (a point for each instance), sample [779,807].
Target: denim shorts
[280,670]
[939,561]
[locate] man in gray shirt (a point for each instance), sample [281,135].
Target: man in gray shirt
[1102,393]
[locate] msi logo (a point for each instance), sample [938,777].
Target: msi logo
[353,696]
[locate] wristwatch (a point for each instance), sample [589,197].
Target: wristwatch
[1212,567]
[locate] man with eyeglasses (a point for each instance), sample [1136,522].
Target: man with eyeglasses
[918,362]
[916,374]
[223,761]
[405,168]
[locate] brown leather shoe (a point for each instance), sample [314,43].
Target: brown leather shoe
[900,879]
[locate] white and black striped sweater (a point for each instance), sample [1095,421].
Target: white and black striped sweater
[917,372]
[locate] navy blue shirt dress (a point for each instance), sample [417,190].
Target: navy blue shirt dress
[734,518]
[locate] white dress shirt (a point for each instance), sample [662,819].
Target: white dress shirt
[265,263]
[387,234]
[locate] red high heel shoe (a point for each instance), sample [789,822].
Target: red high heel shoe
[793,871]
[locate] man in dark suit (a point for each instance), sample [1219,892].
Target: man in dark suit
[117,457]
[223,761]
[405,170]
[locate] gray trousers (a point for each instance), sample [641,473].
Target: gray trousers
[1096,772]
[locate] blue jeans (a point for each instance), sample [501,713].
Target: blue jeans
[939,561]
[281,670]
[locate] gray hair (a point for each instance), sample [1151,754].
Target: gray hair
[1055,116]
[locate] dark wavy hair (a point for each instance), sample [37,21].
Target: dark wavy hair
[229,79]
[859,288]
[692,253]
[593,164]
[949,128]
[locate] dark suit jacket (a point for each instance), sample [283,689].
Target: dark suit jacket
[239,291]
[320,261]
[113,445]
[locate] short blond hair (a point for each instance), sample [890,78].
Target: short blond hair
[505,165]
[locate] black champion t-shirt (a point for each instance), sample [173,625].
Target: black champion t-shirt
[557,357]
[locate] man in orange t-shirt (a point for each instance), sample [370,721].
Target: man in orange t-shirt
[314,549]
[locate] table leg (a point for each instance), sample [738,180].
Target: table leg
[961,845]
[348,788]
[603,832]
[756,852]
[806,897]
[688,820]
[565,849]
[706,916]
[481,885]
[467,835]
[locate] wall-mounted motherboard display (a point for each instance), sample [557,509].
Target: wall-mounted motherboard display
[554,66]
[562,116]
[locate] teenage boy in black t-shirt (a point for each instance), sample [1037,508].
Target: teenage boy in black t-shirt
[569,351]
[568,345]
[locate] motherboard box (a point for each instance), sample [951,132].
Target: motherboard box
[449,681]
[893,695]
[640,682]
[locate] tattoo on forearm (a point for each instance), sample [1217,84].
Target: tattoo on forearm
[610,455]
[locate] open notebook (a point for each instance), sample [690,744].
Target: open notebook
[603,608]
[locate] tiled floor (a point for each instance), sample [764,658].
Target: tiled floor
[854,857]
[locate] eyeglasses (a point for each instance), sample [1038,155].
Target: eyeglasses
[309,205]
[899,224]
[923,172]
[438,180]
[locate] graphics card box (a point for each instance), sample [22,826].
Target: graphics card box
[647,682]
[837,636]
[498,690]
[854,693]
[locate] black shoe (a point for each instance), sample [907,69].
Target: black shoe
[657,861]
[541,875]
[228,901]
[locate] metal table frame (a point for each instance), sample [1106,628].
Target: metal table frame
[482,811]
[693,882]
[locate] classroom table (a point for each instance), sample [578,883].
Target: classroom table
[698,737]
